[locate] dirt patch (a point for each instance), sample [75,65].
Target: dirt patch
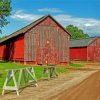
[46,89]
[94,66]
[89,89]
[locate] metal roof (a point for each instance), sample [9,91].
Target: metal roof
[82,42]
[24,29]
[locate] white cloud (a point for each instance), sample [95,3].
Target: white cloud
[53,10]
[21,15]
[89,25]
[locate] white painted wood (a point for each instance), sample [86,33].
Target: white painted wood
[11,75]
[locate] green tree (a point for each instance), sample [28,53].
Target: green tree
[75,32]
[5,11]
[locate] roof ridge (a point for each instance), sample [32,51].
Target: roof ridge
[82,42]
[27,27]
[83,38]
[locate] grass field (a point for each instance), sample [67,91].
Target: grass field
[74,65]
[38,70]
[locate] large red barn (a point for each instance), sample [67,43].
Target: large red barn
[87,49]
[41,42]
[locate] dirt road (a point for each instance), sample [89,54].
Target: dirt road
[89,89]
[46,89]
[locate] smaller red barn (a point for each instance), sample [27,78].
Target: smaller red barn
[87,49]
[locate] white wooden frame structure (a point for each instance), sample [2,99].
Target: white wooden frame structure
[51,72]
[11,75]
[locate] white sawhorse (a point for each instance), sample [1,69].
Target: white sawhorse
[11,76]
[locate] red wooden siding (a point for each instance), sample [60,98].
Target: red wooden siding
[19,49]
[47,43]
[94,51]
[13,49]
[90,53]
[78,53]
[2,47]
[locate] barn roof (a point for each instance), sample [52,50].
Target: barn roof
[26,28]
[82,42]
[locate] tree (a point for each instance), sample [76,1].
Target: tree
[75,32]
[5,11]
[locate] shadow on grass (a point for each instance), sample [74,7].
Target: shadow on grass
[4,61]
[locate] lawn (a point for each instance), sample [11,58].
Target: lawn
[74,65]
[4,66]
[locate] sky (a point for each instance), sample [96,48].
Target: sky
[84,14]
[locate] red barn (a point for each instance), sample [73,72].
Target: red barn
[85,49]
[41,42]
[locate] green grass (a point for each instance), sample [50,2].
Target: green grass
[73,65]
[4,66]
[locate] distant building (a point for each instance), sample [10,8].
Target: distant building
[41,42]
[85,49]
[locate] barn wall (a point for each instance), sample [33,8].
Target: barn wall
[13,49]
[2,47]
[78,53]
[94,51]
[47,43]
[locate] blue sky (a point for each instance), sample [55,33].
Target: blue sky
[82,13]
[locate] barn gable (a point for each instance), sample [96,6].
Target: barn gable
[47,42]
[93,50]
[28,27]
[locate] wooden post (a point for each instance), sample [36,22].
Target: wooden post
[30,72]
[24,62]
